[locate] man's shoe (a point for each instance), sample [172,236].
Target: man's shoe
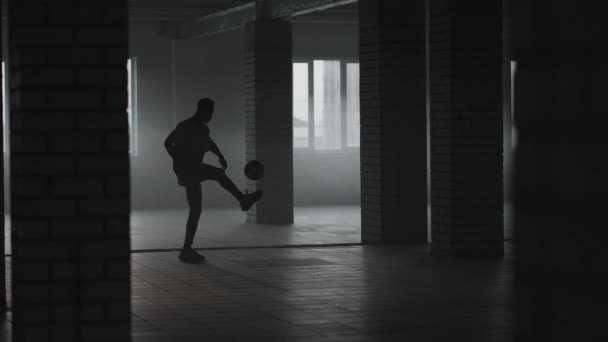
[249,200]
[190,255]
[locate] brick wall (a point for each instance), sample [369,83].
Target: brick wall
[2,208]
[69,170]
[466,127]
[269,123]
[507,107]
[393,121]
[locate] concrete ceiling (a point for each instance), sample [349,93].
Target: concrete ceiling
[185,10]
[305,11]
[177,10]
[180,11]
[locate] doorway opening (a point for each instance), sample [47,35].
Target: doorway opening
[326,148]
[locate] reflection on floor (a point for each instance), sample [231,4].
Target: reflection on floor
[162,229]
[359,293]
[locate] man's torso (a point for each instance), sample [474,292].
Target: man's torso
[191,143]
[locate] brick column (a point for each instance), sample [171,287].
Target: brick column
[507,107]
[560,170]
[269,123]
[69,170]
[2,208]
[393,121]
[466,127]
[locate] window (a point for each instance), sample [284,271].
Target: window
[514,128]
[326,105]
[4,109]
[353,128]
[132,104]
[301,108]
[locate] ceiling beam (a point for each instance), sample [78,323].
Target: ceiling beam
[292,8]
[217,22]
[239,16]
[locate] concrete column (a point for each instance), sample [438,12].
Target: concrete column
[393,121]
[466,127]
[69,170]
[269,121]
[560,181]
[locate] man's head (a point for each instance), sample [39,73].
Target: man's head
[205,109]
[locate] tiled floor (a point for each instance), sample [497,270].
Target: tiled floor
[358,293]
[320,294]
[5,333]
[162,229]
[352,293]
[219,228]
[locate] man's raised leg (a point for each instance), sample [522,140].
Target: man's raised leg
[246,201]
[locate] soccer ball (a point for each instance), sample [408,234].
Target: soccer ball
[254,170]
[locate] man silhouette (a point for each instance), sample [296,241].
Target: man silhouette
[187,145]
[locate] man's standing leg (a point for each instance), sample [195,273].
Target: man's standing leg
[194,197]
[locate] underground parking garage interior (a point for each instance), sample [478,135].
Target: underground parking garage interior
[430,169]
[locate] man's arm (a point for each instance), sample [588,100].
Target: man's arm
[170,144]
[215,150]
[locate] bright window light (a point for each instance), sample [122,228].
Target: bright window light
[132,104]
[301,107]
[4,109]
[353,130]
[326,113]
[328,105]
[514,135]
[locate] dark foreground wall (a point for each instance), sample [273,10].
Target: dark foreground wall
[2,227]
[69,171]
[560,170]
